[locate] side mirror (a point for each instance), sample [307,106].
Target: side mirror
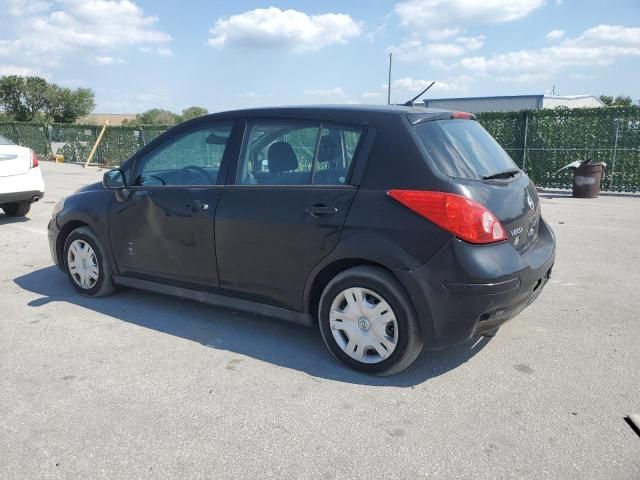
[113,180]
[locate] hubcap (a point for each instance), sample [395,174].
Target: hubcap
[83,264]
[363,325]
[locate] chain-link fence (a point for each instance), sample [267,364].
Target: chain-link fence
[543,141]
[540,141]
[74,141]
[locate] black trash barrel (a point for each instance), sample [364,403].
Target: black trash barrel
[586,180]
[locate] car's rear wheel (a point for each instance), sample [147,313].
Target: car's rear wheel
[16,209]
[367,321]
[86,263]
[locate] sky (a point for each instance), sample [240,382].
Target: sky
[141,54]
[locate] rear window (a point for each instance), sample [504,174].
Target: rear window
[5,141]
[463,149]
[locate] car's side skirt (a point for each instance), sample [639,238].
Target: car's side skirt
[217,300]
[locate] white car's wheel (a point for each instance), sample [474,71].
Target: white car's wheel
[16,209]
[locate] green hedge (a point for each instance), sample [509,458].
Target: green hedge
[560,136]
[553,139]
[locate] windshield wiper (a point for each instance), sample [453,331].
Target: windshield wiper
[511,172]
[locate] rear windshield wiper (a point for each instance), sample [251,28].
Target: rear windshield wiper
[512,172]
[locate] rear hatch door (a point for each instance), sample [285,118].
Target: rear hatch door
[481,170]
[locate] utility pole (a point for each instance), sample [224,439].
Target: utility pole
[389,84]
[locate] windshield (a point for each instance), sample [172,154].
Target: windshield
[5,141]
[463,149]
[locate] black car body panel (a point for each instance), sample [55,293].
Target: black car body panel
[277,245]
[260,229]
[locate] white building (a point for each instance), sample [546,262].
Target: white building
[513,102]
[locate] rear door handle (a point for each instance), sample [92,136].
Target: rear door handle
[316,210]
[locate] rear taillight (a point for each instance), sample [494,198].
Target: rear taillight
[464,218]
[34,159]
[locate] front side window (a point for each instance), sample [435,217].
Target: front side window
[192,158]
[289,153]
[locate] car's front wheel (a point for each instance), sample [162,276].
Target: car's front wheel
[16,209]
[367,321]
[86,263]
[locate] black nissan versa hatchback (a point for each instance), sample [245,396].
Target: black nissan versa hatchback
[391,228]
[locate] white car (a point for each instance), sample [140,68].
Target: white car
[21,181]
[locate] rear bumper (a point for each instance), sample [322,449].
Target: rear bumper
[466,290]
[23,187]
[28,196]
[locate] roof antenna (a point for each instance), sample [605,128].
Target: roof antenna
[389,84]
[410,102]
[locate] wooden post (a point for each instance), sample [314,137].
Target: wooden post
[95,145]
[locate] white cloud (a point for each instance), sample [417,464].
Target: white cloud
[523,78]
[250,95]
[412,50]
[17,70]
[17,8]
[164,52]
[329,95]
[47,32]
[554,35]
[107,60]
[409,85]
[580,76]
[597,46]
[442,33]
[439,14]
[337,92]
[371,95]
[288,29]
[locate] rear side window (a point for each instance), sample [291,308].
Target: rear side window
[463,149]
[335,153]
[293,153]
[279,154]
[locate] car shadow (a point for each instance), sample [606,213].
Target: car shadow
[266,339]
[6,220]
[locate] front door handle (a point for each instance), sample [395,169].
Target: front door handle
[197,206]
[142,193]
[317,210]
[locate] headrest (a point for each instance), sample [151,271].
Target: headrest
[281,158]
[329,149]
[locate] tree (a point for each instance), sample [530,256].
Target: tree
[66,105]
[155,116]
[619,101]
[193,112]
[25,98]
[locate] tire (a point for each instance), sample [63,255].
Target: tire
[97,285]
[387,337]
[16,209]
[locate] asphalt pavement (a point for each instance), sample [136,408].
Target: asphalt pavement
[138,385]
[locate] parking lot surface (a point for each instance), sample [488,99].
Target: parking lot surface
[138,385]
